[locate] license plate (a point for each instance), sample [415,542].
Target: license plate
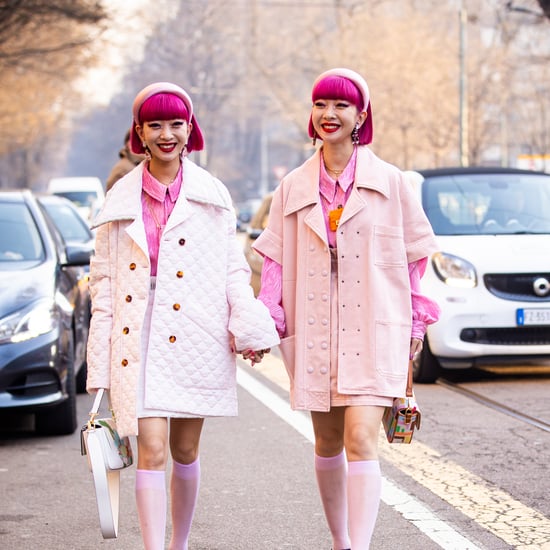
[533,316]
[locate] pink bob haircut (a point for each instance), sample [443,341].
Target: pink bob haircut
[348,85]
[164,101]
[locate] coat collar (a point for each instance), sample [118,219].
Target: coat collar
[303,182]
[124,199]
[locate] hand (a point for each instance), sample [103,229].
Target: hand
[415,348]
[255,356]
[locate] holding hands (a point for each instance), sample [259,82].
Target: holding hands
[254,356]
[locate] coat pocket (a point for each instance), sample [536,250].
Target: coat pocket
[389,247]
[288,353]
[392,349]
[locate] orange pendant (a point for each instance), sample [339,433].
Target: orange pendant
[334,218]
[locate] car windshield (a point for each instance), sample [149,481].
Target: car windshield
[80,198]
[19,237]
[68,222]
[492,204]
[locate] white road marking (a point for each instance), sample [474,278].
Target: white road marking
[407,505]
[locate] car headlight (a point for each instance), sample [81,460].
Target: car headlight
[454,271]
[28,323]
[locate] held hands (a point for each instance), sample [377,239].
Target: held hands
[255,356]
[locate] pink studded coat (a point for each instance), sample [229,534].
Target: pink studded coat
[382,229]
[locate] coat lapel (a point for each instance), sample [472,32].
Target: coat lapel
[123,203]
[315,219]
[367,176]
[304,193]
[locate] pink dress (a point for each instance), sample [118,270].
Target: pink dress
[157,202]
[333,195]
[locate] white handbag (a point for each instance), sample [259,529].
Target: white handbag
[107,454]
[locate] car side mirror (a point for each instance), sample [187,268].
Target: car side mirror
[78,254]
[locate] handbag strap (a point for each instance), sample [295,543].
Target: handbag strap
[97,401]
[410,379]
[94,411]
[107,487]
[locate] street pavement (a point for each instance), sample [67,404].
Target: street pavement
[258,486]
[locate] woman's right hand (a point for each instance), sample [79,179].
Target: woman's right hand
[255,356]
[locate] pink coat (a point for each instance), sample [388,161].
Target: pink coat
[382,229]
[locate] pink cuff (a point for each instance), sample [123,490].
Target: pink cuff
[271,292]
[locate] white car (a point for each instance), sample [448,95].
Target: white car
[85,192]
[491,277]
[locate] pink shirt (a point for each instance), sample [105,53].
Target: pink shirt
[157,202]
[334,194]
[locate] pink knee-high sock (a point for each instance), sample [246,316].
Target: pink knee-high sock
[364,490]
[151,506]
[184,490]
[331,475]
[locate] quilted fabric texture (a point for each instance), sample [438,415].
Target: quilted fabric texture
[202,297]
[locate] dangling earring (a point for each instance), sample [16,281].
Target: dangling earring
[314,138]
[147,151]
[355,134]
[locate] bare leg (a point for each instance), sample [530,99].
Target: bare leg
[185,482]
[151,481]
[362,426]
[331,473]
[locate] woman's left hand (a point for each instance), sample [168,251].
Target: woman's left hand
[416,347]
[255,356]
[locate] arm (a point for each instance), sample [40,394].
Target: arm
[271,292]
[99,348]
[424,310]
[250,322]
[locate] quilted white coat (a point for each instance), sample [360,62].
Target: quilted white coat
[202,297]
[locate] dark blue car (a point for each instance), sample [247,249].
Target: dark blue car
[44,314]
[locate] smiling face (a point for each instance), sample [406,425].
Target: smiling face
[165,139]
[335,119]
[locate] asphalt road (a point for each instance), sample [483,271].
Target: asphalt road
[473,478]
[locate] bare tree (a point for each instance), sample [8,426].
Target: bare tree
[249,65]
[32,30]
[43,48]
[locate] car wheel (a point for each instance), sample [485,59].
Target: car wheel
[61,419]
[426,368]
[81,378]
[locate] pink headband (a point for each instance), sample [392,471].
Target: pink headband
[360,82]
[196,141]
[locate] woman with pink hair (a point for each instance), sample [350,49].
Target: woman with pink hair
[344,250]
[171,304]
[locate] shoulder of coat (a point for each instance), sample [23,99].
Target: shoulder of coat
[201,186]
[123,201]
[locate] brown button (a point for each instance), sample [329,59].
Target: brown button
[128,298]
[124,362]
[181,242]
[172,339]
[176,307]
[179,274]
[125,330]
[132,266]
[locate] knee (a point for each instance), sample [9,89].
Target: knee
[329,444]
[152,453]
[184,452]
[361,442]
